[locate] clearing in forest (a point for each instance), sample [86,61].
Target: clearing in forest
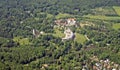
[58,33]
[116,26]
[80,38]
[62,15]
[102,17]
[117,9]
[22,41]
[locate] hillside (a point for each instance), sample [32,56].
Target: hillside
[59,34]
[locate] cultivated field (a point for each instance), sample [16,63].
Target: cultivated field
[102,17]
[104,11]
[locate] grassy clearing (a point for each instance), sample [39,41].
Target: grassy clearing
[3,40]
[36,19]
[21,41]
[58,33]
[61,15]
[117,9]
[80,38]
[104,11]
[116,26]
[49,16]
[102,17]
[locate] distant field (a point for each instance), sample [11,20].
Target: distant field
[116,26]
[102,17]
[117,9]
[61,15]
[80,38]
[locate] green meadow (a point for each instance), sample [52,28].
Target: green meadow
[21,41]
[62,15]
[117,9]
[116,26]
[80,38]
[102,17]
[58,33]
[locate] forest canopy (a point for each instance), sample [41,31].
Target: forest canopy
[34,33]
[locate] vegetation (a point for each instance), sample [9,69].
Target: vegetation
[22,41]
[20,49]
[58,33]
[60,15]
[103,17]
[117,9]
[116,26]
[80,38]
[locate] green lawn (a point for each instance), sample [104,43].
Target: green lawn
[58,33]
[61,15]
[80,38]
[104,11]
[116,26]
[117,9]
[49,15]
[36,19]
[21,41]
[102,17]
